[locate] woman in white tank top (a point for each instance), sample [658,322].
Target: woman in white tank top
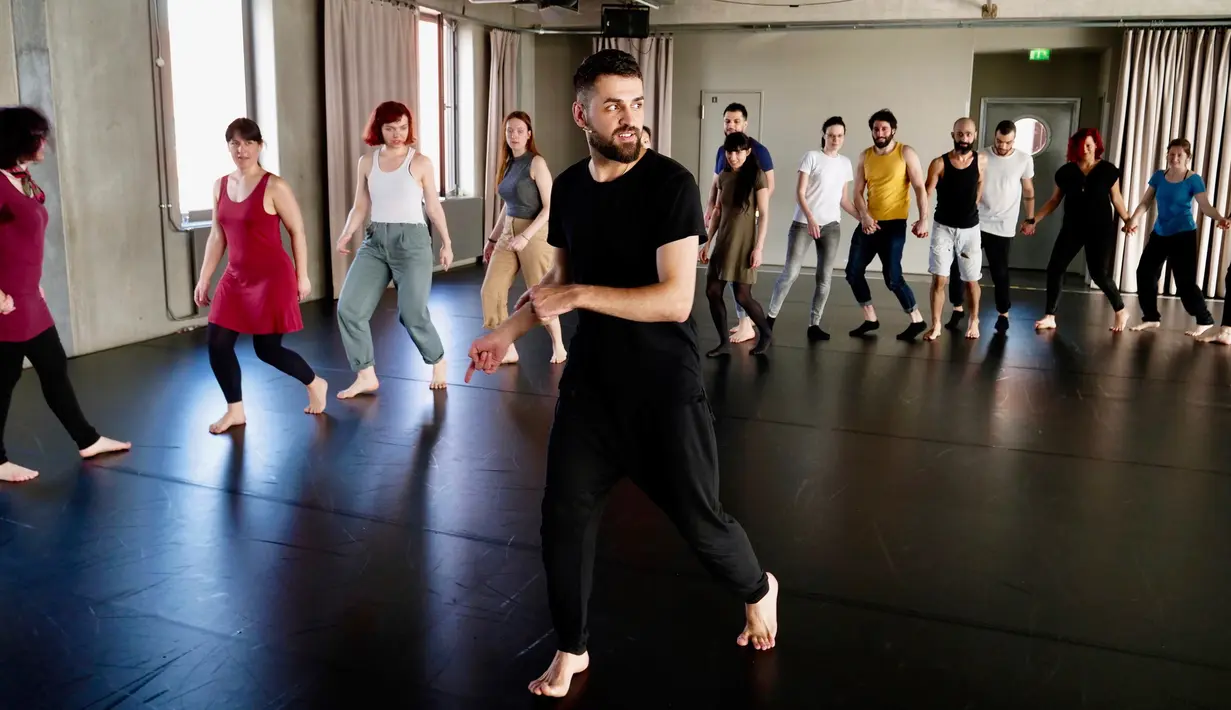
[396,186]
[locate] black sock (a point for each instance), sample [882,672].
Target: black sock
[913,330]
[770,320]
[815,333]
[954,319]
[867,327]
[1002,323]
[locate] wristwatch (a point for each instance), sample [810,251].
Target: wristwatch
[1029,220]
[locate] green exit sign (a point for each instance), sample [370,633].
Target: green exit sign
[1040,55]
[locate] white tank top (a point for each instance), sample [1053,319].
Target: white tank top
[397,197]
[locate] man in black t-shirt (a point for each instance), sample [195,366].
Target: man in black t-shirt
[627,225]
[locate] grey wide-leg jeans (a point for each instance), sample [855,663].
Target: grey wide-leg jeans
[402,252]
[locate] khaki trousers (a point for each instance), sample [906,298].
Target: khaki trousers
[534,261]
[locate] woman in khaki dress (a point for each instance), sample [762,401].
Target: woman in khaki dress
[519,238]
[737,238]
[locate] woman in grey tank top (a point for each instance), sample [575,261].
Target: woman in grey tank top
[519,238]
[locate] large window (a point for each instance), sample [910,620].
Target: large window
[437,114]
[207,48]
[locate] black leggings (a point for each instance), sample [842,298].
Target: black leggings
[997,249]
[743,296]
[1099,245]
[268,348]
[1180,253]
[47,356]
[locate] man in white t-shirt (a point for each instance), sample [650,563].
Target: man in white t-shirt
[822,193]
[1008,181]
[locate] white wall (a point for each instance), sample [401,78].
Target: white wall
[806,77]
[923,76]
[707,12]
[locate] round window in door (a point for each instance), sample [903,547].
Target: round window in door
[1032,135]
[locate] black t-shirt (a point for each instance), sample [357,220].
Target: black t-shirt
[611,232]
[1087,198]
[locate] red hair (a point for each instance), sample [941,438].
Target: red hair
[388,112]
[506,153]
[1079,139]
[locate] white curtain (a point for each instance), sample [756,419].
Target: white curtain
[501,101]
[1174,84]
[371,56]
[656,55]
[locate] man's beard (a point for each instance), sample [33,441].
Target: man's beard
[1005,152]
[961,147]
[882,142]
[609,149]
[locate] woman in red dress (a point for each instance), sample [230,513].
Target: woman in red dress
[260,291]
[26,327]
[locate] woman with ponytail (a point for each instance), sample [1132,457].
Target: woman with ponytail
[26,326]
[737,238]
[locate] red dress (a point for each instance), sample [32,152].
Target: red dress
[23,222]
[258,293]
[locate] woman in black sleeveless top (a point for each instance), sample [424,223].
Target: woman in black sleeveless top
[1090,189]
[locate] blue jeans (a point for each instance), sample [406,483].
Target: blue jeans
[886,243]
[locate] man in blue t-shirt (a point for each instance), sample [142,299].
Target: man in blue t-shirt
[735,120]
[1174,239]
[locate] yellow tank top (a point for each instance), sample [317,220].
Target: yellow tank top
[888,186]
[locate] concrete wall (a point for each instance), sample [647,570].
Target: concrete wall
[8,56]
[1069,74]
[559,140]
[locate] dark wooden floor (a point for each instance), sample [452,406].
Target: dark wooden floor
[1042,521]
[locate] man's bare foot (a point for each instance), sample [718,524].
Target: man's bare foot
[439,371]
[1146,325]
[934,332]
[761,628]
[104,446]
[743,332]
[558,354]
[234,417]
[559,676]
[317,396]
[1045,323]
[12,473]
[511,356]
[1117,326]
[1198,331]
[1222,336]
[972,331]
[365,383]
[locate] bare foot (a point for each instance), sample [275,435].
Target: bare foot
[1222,336]
[743,332]
[12,473]
[1146,325]
[934,332]
[1198,331]
[365,383]
[554,683]
[439,371]
[511,356]
[233,417]
[972,331]
[105,446]
[1045,323]
[1117,326]
[317,392]
[761,628]
[558,354]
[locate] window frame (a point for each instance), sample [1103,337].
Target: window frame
[447,178]
[164,124]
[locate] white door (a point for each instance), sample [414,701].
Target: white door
[1044,127]
[712,133]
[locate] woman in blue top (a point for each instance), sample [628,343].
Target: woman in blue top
[1174,239]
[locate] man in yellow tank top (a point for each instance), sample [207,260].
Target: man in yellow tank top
[886,172]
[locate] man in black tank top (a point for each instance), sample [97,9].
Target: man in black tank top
[957,177]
